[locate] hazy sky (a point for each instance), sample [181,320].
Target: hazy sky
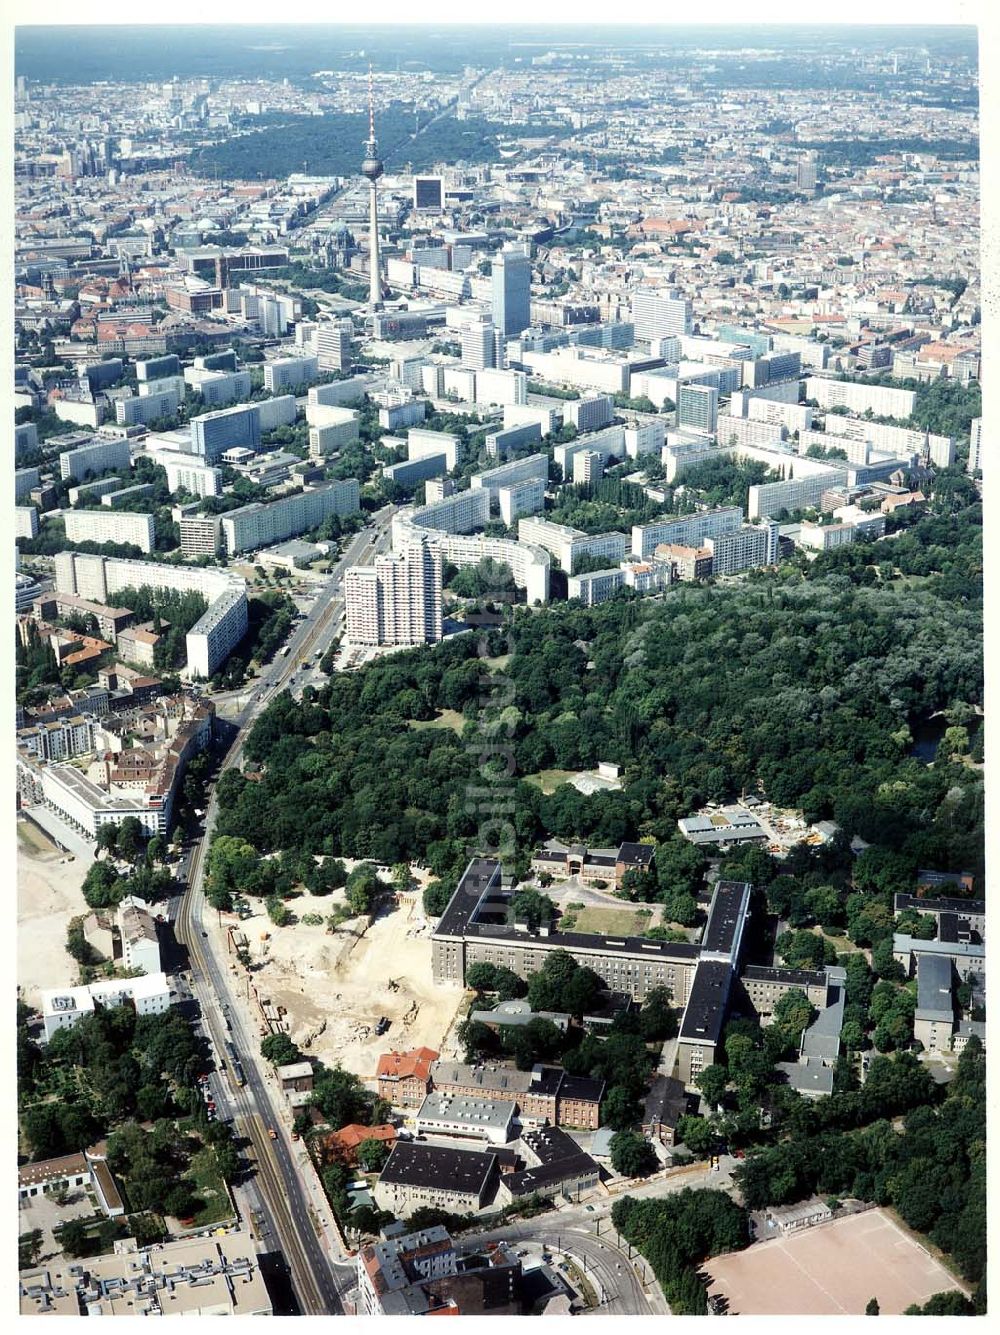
[512,11]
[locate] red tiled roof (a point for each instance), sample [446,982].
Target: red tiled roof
[403,1065]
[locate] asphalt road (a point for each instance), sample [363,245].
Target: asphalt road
[612,1276]
[317,1280]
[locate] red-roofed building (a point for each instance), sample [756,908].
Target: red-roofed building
[342,1146]
[404,1078]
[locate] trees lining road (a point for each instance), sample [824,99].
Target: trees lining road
[314,1276]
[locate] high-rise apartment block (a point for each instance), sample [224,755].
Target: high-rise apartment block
[187,471]
[744,549]
[644,437]
[698,408]
[521,498]
[402,414]
[153,368]
[535,466]
[408,472]
[975,464]
[219,388]
[290,373]
[882,400]
[100,456]
[478,345]
[147,408]
[499,443]
[568,544]
[340,427]
[590,413]
[333,346]
[117,526]
[588,467]
[25,521]
[511,292]
[505,387]
[259,525]
[659,315]
[201,535]
[807,174]
[282,410]
[396,601]
[214,433]
[689,530]
[420,442]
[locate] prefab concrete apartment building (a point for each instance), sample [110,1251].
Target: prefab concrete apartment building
[261,524]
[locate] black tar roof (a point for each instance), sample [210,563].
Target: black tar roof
[433,1166]
[666,1101]
[705,1012]
[581,1087]
[530,1180]
[807,977]
[456,921]
[548,1080]
[722,928]
[636,855]
[551,1144]
[963,907]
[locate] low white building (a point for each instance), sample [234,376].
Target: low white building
[456,1115]
[63,1007]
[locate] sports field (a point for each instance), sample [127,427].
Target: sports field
[830,1270]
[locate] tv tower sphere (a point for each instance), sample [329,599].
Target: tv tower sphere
[372,167]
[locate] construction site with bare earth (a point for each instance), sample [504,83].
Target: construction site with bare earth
[327,988]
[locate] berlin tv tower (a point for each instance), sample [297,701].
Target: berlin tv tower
[373,169]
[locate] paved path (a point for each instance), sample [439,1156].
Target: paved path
[64,835]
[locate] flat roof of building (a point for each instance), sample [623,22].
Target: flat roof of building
[810,1076]
[173,1278]
[901,942]
[725,917]
[705,1012]
[489,1114]
[803,977]
[934,982]
[963,907]
[463,1171]
[457,921]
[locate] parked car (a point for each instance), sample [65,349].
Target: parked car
[383,1025]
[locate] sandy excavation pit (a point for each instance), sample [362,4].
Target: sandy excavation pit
[336,986]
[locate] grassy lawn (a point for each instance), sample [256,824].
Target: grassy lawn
[204,1173]
[447,718]
[32,837]
[611,922]
[549,779]
[500,661]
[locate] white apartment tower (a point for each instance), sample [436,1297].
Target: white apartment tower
[975,464]
[396,601]
[478,345]
[660,315]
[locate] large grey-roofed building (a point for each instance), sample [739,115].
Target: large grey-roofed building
[730,825]
[934,1017]
[448,1114]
